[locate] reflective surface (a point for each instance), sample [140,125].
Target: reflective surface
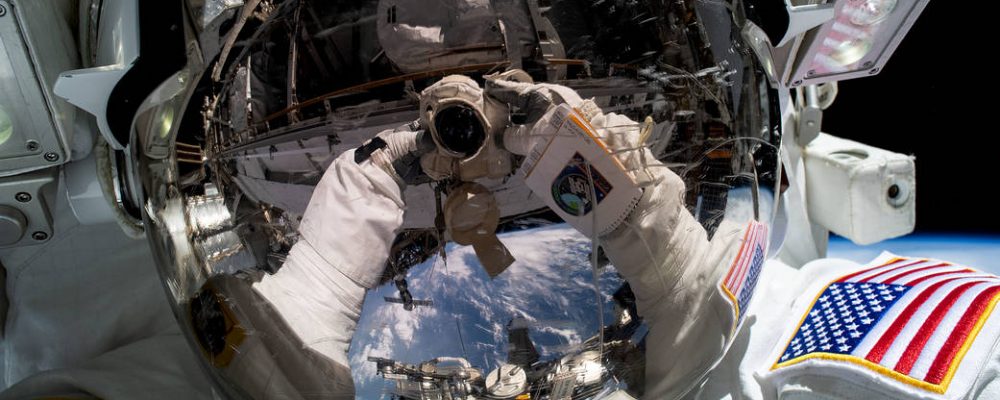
[871,12]
[459,130]
[6,126]
[859,37]
[226,209]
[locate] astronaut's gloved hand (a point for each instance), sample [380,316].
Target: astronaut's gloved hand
[398,152]
[657,246]
[528,101]
[358,204]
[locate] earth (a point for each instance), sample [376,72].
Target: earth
[977,251]
[551,286]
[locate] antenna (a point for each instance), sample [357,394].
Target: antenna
[461,338]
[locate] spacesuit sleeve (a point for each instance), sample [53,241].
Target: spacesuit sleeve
[346,232]
[660,249]
[673,268]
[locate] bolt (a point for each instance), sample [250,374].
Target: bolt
[893,191]
[51,157]
[867,64]
[797,83]
[31,145]
[39,236]
[3,10]
[811,72]
[23,197]
[873,71]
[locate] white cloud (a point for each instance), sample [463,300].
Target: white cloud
[550,285]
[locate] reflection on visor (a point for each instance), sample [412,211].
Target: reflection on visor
[459,129]
[303,266]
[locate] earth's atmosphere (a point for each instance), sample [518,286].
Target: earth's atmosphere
[550,285]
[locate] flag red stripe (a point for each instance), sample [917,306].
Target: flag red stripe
[747,255]
[912,352]
[739,256]
[931,276]
[946,356]
[744,255]
[866,270]
[884,342]
[890,271]
[913,271]
[760,240]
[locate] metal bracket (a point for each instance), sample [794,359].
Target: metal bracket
[24,214]
[810,115]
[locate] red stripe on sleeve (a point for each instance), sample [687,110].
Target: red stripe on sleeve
[920,280]
[890,271]
[884,342]
[866,270]
[942,363]
[745,254]
[913,271]
[916,345]
[739,255]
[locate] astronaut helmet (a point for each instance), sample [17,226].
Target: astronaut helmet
[305,83]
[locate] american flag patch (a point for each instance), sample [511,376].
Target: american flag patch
[739,283]
[909,319]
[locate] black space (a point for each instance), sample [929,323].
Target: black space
[933,100]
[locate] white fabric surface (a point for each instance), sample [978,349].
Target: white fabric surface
[420,35]
[847,193]
[320,288]
[784,296]
[91,317]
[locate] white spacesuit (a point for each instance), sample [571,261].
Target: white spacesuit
[321,287]
[724,322]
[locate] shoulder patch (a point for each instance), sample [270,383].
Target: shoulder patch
[910,320]
[739,283]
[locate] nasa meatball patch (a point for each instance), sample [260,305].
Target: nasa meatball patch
[739,283]
[578,176]
[923,326]
[572,189]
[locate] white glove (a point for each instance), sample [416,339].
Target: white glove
[529,103]
[516,89]
[660,249]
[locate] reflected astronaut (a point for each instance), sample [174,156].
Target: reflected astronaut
[657,245]
[320,288]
